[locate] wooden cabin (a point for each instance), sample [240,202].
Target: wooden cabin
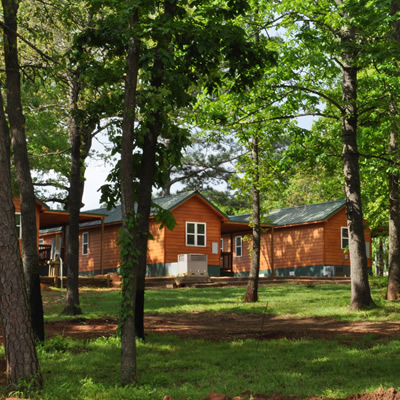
[47,219]
[309,240]
[196,237]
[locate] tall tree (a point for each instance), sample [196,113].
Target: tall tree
[252,285]
[20,352]
[28,202]
[393,288]
[360,293]
[329,37]
[180,48]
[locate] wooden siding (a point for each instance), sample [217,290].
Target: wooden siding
[193,210]
[293,247]
[305,245]
[239,264]
[156,247]
[334,254]
[298,246]
[91,261]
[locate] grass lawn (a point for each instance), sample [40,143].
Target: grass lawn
[191,369]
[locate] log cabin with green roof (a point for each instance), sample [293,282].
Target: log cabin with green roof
[197,232]
[310,240]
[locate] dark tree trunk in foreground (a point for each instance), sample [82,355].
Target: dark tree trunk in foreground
[393,287]
[20,352]
[25,185]
[154,127]
[72,306]
[252,285]
[80,139]
[360,291]
[128,256]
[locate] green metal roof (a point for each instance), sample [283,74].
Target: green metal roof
[296,215]
[166,202]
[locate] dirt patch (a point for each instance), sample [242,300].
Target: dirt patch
[228,327]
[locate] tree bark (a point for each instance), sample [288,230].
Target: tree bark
[381,260]
[393,287]
[252,285]
[154,126]
[129,262]
[80,138]
[25,185]
[360,290]
[20,352]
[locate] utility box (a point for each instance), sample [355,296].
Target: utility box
[192,264]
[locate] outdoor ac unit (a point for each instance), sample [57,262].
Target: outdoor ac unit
[192,264]
[329,271]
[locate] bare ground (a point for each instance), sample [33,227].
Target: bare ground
[232,326]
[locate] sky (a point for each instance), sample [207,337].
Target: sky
[96,175]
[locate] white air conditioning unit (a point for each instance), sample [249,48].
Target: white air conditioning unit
[190,264]
[329,271]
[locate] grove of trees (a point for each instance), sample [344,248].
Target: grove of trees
[167,80]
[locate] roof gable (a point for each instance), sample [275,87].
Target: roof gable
[167,203]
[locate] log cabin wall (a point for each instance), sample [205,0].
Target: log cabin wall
[90,264]
[334,254]
[302,249]
[194,210]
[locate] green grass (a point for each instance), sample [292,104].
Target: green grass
[191,369]
[331,301]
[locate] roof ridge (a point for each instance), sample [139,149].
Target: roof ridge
[308,205]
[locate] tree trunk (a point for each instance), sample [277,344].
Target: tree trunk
[393,287]
[20,352]
[381,260]
[28,202]
[80,139]
[252,285]
[154,128]
[129,262]
[360,291]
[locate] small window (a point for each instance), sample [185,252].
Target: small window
[85,243]
[238,246]
[18,225]
[195,234]
[222,244]
[345,238]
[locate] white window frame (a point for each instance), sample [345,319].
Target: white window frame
[222,245]
[196,235]
[238,246]
[344,235]
[18,225]
[85,243]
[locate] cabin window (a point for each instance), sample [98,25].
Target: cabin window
[195,234]
[345,238]
[238,246]
[18,225]
[85,243]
